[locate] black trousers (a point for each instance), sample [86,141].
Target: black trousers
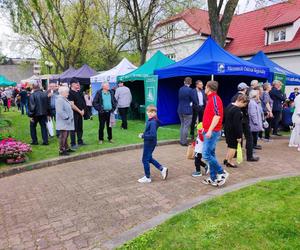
[268,130]
[78,124]
[276,120]
[42,120]
[123,114]
[104,119]
[198,162]
[249,140]
[255,138]
[197,113]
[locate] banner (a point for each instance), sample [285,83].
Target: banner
[151,83]
[282,78]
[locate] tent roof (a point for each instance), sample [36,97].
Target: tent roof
[85,72]
[261,59]
[66,73]
[157,61]
[31,79]
[4,82]
[122,68]
[211,59]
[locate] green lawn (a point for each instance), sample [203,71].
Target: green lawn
[263,216]
[20,131]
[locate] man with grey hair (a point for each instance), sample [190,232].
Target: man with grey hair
[105,103]
[254,84]
[124,98]
[38,110]
[278,98]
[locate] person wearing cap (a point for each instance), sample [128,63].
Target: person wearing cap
[124,98]
[242,90]
[294,94]
[78,106]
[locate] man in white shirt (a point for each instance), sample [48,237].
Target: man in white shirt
[124,98]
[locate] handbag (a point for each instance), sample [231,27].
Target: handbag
[239,154]
[190,152]
[50,129]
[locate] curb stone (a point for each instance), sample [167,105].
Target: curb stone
[60,160]
[159,219]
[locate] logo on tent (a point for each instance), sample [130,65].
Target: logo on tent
[221,67]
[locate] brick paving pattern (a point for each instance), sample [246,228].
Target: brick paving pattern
[83,204]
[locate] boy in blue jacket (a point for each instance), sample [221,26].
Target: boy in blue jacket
[150,141]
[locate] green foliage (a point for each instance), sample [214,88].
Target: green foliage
[263,216]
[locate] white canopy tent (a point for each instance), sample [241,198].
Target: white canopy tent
[111,75]
[31,80]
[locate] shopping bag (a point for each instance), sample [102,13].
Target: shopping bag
[50,127]
[190,152]
[239,154]
[112,120]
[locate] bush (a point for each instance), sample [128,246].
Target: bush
[12,149]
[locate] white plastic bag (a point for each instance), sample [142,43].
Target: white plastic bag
[112,120]
[50,127]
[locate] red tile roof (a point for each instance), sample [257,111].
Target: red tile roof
[197,19]
[248,31]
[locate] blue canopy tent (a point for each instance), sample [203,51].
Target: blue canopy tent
[261,59]
[209,61]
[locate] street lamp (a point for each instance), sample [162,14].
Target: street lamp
[49,65]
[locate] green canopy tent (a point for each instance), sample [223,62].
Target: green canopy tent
[143,83]
[4,82]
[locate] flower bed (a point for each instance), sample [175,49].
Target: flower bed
[13,151]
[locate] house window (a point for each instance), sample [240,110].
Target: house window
[170,31]
[279,35]
[172,56]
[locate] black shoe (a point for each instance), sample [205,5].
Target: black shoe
[71,150]
[82,144]
[34,143]
[277,134]
[230,165]
[225,162]
[184,144]
[45,143]
[254,158]
[63,153]
[259,147]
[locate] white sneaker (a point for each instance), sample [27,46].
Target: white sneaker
[293,146]
[144,180]
[164,173]
[221,178]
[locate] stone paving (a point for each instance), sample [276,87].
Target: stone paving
[84,204]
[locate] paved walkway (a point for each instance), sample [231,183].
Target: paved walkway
[82,205]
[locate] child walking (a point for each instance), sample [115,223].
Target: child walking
[150,141]
[198,153]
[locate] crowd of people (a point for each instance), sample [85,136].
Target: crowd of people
[254,112]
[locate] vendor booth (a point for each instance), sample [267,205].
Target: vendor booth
[111,75]
[210,61]
[288,78]
[143,83]
[83,75]
[4,82]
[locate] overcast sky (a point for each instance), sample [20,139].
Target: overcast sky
[14,46]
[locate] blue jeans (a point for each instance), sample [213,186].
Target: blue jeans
[24,106]
[209,154]
[147,158]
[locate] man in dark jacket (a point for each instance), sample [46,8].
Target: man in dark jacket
[185,110]
[278,98]
[105,103]
[38,110]
[199,106]
[243,89]
[78,105]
